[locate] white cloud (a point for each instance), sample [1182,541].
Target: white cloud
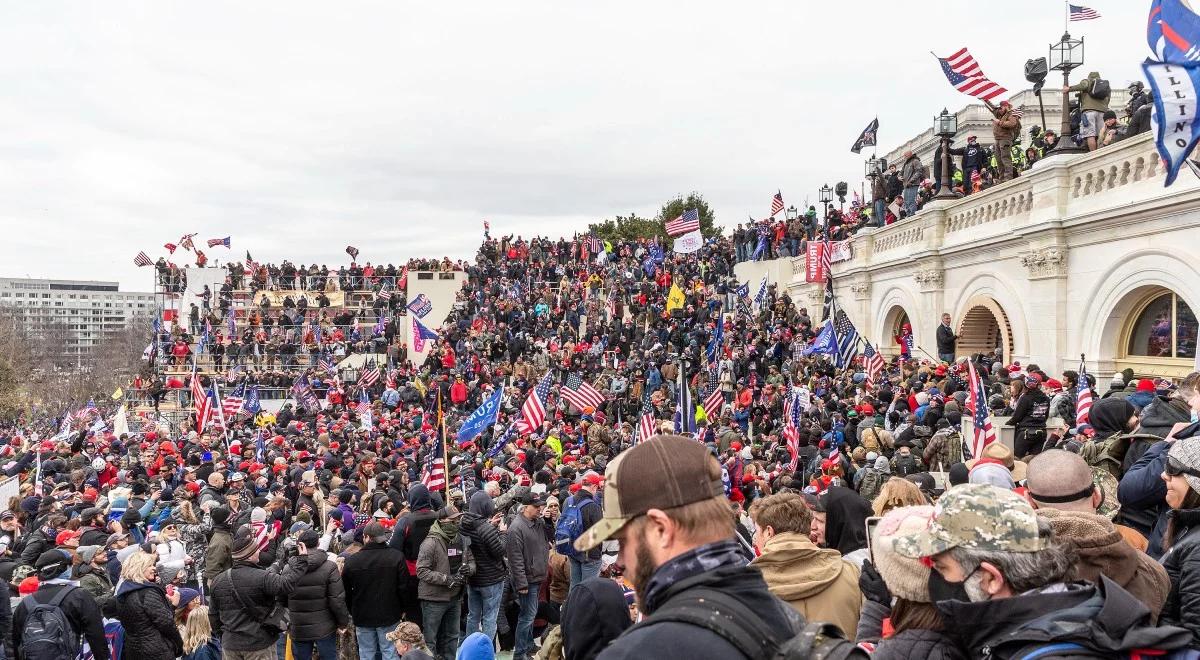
[398,127]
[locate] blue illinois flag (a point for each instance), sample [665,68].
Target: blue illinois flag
[1177,131]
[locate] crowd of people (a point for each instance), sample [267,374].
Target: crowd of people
[728,494]
[902,189]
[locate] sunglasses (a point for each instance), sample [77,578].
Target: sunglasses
[1174,468]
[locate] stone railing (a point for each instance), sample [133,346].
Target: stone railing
[1058,189]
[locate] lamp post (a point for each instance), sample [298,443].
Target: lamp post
[791,213]
[945,126]
[825,195]
[1066,55]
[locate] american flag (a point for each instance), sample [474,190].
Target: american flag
[688,221]
[385,294]
[326,363]
[792,409]
[533,412]
[170,247]
[370,375]
[985,433]
[304,395]
[214,242]
[201,402]
[186,241]
[142,260]
[847,336]
[715,400]
[581,395]
[594,244]
[777,203]
[434,474]
[646,419]
[1083,397]
[231,405]
[1081,13]
[364,403]
[874,362]
[964,74]
[234,372]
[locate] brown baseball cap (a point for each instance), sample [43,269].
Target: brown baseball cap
[663,472]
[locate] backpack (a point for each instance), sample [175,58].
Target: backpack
[47,634]
[905,464]
[1100,89]
[734,622]
[569,528]
[872,482]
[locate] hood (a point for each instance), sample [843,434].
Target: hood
[316,558]
[975,625]
[481,504]
[477,646]
[418,498]
[595,614]
[1109,416]
[126,587]
[846,514]
[796,568]
[1102,550]
[1163,413]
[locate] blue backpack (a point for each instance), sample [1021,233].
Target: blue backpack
[569,528]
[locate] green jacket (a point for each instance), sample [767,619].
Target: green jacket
[1086,101]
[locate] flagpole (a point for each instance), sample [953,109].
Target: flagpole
[221,413]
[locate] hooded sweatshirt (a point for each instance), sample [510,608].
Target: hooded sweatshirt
[487,544]
[846,516]
[595,614]
[817,582]
[1103,551]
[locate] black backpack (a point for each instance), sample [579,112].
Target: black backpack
[47,634]
[1100,89]
[737,624]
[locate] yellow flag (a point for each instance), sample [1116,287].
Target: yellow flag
[118,394]
[674,298]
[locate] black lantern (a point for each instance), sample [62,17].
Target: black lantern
[872,167]
[945,126]
[791,213]
[1066,55]
[826,194]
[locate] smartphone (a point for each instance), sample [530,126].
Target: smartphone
[872,523]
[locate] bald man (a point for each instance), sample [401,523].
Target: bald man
[1062,490]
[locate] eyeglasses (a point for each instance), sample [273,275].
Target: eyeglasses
[1174,468]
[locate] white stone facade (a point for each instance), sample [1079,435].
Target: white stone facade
[1061,258]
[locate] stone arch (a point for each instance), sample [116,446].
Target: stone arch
[983,327]
[895,302]
[1121,290]
[988,291]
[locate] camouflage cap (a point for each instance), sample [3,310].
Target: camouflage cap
[979,517]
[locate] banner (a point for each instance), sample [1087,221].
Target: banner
[689,242]
[840,251]
[484,416]
[421,334]
[814,266]
[421,305]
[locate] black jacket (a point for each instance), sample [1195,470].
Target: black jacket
[945,339]
[1161,414]
[376,579]
[241,629]
[1031,410]
[589,510]
[149,622]
[1182,561]
[81,611]
[318,603]
[35,544]
[673,639]
[487,543]
[1104,617]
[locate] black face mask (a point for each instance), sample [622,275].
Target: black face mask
[941,589]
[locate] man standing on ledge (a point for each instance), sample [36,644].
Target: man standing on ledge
[945,340]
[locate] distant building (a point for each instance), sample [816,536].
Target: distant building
[82,311]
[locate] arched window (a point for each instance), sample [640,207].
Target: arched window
[1165,327]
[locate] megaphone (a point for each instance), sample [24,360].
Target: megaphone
[1035,72]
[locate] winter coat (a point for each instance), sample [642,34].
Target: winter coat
[97,583]
[376,579]
[1103,551]
[1007,126]
[435,570]
[1182,561]
[209,651]
[1086,100]
[80,610]
[1142,495]
[240,629]
[218,558]
[318,602]
[816,582]
[149,622]
[591,513]
[904,644]
[913,173]
[1161,415]
[487,543]
[528,552]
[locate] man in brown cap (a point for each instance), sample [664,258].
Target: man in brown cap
[665,504]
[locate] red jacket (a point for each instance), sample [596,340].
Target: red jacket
[458,392]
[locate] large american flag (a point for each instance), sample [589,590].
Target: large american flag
[646,419]
[964,74]
[791,430]
[984,432]
[688,221]
[581,395]
[777,203]
[874,362]
[231,405]
[214,242]
[201,402]
[533,412]
[142,260]
[434,473]
[594,244]
[1081,13]
[714,401]
[847,337]
[370,375]
[1083,397]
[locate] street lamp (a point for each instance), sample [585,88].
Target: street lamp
[825,195]
[1066,55]
[872,167]
[791,213]
[945,126]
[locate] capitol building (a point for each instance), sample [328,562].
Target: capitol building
[1083,254]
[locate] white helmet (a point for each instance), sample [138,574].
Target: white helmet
[97,464]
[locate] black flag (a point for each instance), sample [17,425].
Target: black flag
[867,138]
[352,251]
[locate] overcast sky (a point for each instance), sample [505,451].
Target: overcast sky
[299,127]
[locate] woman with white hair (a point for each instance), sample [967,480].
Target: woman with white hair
[146,611]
